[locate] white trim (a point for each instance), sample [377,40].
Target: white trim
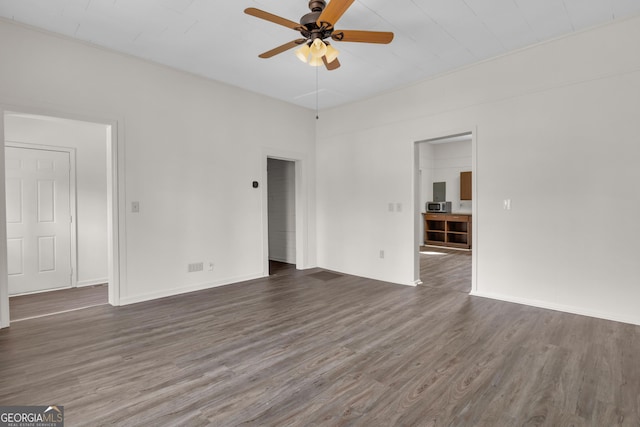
[116,228]
[115,199]
[4,278]
[279,259]
[92,282]
[474,209]
[557,307]
[41,291]
[191,288]
[302,227]
[73,230]
[416,208]
[84,283]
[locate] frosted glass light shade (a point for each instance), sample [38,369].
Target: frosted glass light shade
[303,52]
[318,49]
[332,53]
[316,61]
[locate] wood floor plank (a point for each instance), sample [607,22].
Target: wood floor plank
[447,268]
[299,349]
[46,303]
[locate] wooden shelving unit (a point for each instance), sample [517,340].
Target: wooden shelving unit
[452,230]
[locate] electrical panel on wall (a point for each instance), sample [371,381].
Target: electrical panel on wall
[439,192]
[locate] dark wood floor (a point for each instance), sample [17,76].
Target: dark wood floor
[321,348]
[47,303]
[445,268]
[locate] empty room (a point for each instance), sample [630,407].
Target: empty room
[342,212]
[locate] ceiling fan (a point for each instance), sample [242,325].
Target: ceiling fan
[317,26]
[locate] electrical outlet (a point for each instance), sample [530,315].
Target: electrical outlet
[381,253]
[135,207]
[196,266]
[211,265]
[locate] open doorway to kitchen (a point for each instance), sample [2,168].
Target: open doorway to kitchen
[85,219]
[444,203]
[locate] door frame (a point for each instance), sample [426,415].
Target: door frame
[72,197]
[116,231]
[287,182]
[417,240]
[302,240]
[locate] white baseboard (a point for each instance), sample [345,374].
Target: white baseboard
[186,289]
[279,259]
[41,291]
[92,282]
[558,307]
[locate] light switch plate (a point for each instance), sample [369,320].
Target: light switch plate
[135,207]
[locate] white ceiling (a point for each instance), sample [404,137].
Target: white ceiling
[217,40]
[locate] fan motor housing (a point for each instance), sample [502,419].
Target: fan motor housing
[309,20]
[317,5]
[312,31]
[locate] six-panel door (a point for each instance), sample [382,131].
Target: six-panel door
[38,219]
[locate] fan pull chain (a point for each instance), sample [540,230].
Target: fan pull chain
[317,89]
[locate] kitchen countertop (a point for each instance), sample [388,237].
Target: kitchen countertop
[448,213]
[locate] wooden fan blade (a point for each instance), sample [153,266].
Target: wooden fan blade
[331,65]
[382,37]
[272,18]
[280,49]
[334,10]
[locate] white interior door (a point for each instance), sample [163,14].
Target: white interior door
[38,219]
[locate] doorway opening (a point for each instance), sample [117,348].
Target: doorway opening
[444,227]
[90,261]
[281,205]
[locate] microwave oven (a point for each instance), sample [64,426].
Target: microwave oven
[438,206]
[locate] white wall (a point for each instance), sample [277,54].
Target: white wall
[190,149]
[426,164]
[89,142]
[555,129]
[282,210]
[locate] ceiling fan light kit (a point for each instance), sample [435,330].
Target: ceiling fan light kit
[332,53]
[303,52]
[316,61]
[315,27]
[313,52]
[318,48]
